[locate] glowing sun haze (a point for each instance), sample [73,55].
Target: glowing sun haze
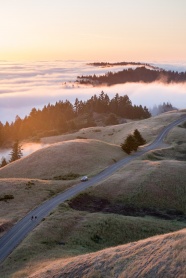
[93,29]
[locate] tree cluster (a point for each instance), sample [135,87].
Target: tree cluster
[62,117]
[107,64]
[140,74]
[162,108]
[132,142]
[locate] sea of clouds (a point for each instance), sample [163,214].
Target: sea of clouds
[27,85]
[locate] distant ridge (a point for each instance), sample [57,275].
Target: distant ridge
[140,74]
[107,64]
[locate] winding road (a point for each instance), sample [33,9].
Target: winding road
[22,228]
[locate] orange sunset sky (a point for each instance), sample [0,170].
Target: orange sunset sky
[93,30]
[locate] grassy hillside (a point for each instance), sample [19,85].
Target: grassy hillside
[160,256]
[66,233]
[145,198]
[19,196]
[116,134]
[143,187]
[155,184]
[80,157]
[73,154]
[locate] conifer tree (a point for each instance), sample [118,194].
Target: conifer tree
[137,135]
[130,144]
[3,162]
[16,152]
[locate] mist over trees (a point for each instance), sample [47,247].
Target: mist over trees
[162,108]
[64,116]
[140,74]
[16,152]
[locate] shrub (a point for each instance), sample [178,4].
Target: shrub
[7,197]
[69,176]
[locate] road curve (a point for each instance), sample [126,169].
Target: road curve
[21,229]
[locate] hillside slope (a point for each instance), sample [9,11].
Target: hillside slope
[149,128]
[152,185]
[83,157]
[159,256]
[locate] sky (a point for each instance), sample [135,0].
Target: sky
[97,30]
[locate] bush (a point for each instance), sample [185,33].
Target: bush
[7,197]
[69,176]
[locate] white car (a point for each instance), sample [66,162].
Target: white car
[85,178]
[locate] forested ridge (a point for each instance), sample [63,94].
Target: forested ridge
[63,116]
[107,64]
[140,74]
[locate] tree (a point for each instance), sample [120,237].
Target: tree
[3,162]
[137,135]
[76,106]
[130,144]
[16,152]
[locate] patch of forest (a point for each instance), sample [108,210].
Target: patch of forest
[106,64]
[63,117]
[140,74]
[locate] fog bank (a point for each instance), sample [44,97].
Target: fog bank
[28,85]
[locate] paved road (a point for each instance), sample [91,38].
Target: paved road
[20,230]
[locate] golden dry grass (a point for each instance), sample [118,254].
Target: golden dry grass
[27,195]
[159,256]
[83,157]
[116,134]
[176,135]
[146,182]
[86,156]
[79,233]
[143,183]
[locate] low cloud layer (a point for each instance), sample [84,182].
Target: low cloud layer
[24,86]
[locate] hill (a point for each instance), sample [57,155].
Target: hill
[116,134]
[145,198]
[159,256]
[24,195]
[67,233]
[78,157]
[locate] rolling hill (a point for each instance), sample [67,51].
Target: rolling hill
[80,156]
[159,256]
[145,198]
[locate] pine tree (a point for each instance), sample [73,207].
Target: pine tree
[3,162]
[137,135]
[16,152]
[130,144]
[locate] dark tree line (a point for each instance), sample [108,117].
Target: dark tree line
[107,64]
[61,117]
[140,74]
